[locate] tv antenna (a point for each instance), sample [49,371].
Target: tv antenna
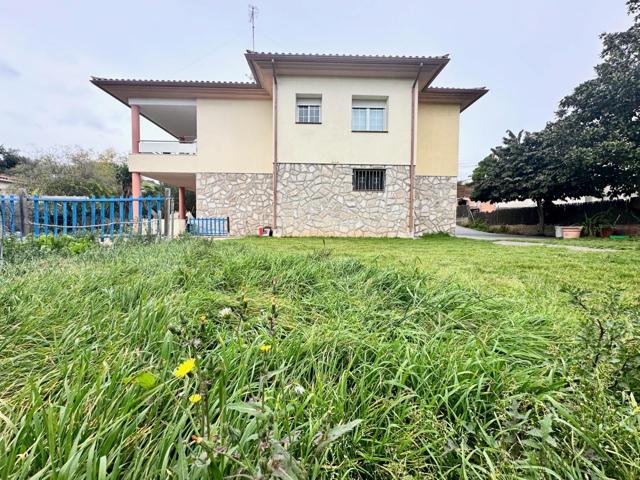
[253,13]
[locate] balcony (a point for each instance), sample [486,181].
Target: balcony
[167,147]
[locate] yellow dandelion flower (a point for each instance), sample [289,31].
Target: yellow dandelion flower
[265,348]
[184,368]
[195,398]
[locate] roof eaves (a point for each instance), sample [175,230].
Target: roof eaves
[473,93]
[251,53]
[456,89]
[172,83]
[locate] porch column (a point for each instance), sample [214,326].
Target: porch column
[135,129]
[135,192]
[182,211]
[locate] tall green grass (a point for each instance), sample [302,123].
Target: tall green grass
[447,382]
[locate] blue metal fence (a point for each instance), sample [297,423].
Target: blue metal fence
[8,208]
[106,217]
[209,227]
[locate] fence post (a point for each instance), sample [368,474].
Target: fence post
[22,207]
[167,212]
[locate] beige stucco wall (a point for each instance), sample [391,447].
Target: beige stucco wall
[437,139]
[333,141]
[234,136]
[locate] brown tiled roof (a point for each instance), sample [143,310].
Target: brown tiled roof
[261,66]
[464,96]
[456,89]
[347,56]
[171,83]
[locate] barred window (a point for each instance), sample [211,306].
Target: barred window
[368,179]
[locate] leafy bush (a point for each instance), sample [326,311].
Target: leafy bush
[592,226]
[17,250]
[609,340]
[479,224]
[483,226]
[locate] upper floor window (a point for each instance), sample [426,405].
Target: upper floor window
[308,108]
[369,114]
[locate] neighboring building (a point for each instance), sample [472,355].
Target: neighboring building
[318,145]
[6,184]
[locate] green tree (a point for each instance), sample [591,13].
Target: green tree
[123,177]
[10,158]
[593,146]
[154,189]
[77,172]
[519,169]
[600,120]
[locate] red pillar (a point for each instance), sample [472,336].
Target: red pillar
[135,184]
[136,191]
[135,129]
[182,211]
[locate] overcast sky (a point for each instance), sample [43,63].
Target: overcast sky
[529,54]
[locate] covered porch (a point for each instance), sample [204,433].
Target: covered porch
[159,159]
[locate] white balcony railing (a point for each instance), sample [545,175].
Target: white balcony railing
[167,147]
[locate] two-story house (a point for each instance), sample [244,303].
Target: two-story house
[317,145]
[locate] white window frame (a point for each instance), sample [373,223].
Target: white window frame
[368,105]
[307,102]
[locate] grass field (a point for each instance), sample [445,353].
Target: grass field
[342,358]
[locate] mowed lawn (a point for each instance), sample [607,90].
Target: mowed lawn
[321,358]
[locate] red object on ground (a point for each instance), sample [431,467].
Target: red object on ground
[260,231]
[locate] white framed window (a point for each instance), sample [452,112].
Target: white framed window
[369,114]
[308,109]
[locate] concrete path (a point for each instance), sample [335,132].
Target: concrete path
[521,240]
[575,248]
[464,232]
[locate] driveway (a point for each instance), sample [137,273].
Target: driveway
[464,232]
[508,240]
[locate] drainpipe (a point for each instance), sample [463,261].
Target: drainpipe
[275,145]
[412,162]
[136,181]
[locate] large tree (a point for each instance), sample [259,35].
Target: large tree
[600,120]
[519,169]
[10,158]
[593,146]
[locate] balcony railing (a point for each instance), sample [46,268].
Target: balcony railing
[167,147]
